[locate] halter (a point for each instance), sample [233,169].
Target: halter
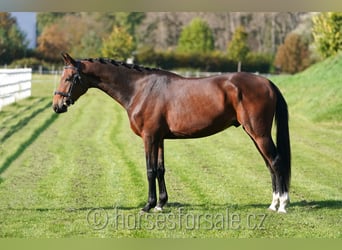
[75,77]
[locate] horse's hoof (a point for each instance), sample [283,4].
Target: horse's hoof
[281,211]
[272,209]
[142,212]
[158,209]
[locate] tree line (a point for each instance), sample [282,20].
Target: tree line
[287,42]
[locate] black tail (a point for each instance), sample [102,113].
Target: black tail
[283,138]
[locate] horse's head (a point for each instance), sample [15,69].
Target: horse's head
[71,86]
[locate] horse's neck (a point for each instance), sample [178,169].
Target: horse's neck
[118,83]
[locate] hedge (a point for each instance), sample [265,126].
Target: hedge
[212,62]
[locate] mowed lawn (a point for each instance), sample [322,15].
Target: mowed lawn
[83,174]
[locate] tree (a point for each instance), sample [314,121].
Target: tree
[83,38]
[197,37]
[45,19]
[52,42]
[90,45]
[13,44]
[160,29]
[238,48]
[129,21]
[293,55]
[118,45]
[327,32]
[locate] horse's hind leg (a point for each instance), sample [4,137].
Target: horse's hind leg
[270,154]
[264,143]
[275,198]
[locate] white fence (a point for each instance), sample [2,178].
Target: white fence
[15,84]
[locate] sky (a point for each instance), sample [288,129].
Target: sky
[27,23]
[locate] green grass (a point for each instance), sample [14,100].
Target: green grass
[63,175]
[316,92]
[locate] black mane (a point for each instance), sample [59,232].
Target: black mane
[126,65]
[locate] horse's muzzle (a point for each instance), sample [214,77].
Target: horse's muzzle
[60,109]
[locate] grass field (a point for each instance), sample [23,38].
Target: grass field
[82,173]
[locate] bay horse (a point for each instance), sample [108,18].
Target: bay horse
[163,105]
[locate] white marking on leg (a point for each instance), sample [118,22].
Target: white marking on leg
[284,199]
[274,203]
[158,209]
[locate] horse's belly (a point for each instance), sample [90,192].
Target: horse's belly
[201,113]
[192,126]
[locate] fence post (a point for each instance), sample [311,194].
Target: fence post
[15,84]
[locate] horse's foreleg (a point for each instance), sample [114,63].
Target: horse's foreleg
[151,152]
[160,176]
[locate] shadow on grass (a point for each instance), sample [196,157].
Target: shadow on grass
[24,121]
[168,208]
[326,204]
[70,209]
[330,204]
[22,147]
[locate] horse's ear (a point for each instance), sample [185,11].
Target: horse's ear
[68,59]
